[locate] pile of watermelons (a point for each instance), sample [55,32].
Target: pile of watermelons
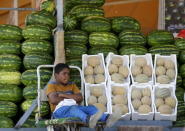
[21,51]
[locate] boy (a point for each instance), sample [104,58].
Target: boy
[64,97]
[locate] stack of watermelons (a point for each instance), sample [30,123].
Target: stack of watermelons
[10,64]
[38,50]
[180,90]
[162,42]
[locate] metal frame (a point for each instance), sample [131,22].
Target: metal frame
[19,9]
[161,15]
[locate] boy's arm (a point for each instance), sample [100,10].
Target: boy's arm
[55,98]
[77,97]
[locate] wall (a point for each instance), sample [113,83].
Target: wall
[145,12]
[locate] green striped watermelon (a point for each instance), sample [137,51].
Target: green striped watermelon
[70,22]
[45,109]
[182,71]
[10,93]
[75,36]
[9,47]
[8,109]
[30,76]
[74,72]
[96,24]
[182,57]
[160,37]
[97,3]
[6,122]
[164,50]
[125,23]
[131,37]
[105,50]
[30,92]
[133,49]
[10,32]
[37,46]
[103,39]
[10,62]
[179,81]
[32,61]
[37,32]
[10,77]
[180,43]
[82,11]
[30,123]
[48,5]
[68,5]
[76,50]
[76,79]
[75,62]
[42,18]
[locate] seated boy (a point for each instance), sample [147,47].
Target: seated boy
[65,97]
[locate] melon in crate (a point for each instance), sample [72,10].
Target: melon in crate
[94,69]
[142,69]
[165,69]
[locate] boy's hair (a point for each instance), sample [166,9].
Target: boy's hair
[59,67]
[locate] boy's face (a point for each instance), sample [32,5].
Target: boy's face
[63,76]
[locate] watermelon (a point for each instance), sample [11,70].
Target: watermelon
[10,77]
[68,5]
[10,62]
[41,32]
[74,62]
[30,76]
[75,36]
[133,49]
[76,50]
[125,23]
[8,109]
[182,70]
[10,93]
[30,123]
[6,122]
[103,39]
[182,57]
[164,50]
[82,11]
[76,79]
[179,81]
[179,90]
[131,37]
[74,72]
[95,24]
[30,92]
[45,109]
[160,37]
[36,46]
[105,50]
[48,5]
[10,47]
[70,22]
[32,61]
[97,3]
[10,32]
[42,18]
[180,43]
